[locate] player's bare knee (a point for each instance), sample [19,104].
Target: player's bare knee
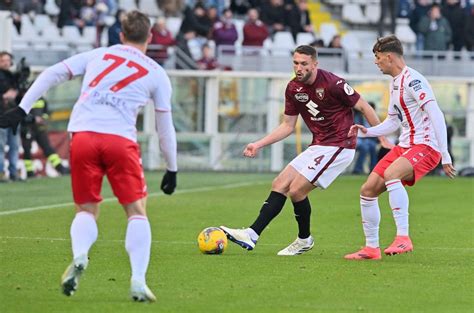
[368,190]
[296,194]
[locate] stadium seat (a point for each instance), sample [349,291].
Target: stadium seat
[127,5]
[372,13]
[239,25]
[283,43]
[173,24]
[51,8]
[327,31]
[150,7]
[352,13]
[304,38]
[350,43]
[41,21]
[404,32]
[27,26]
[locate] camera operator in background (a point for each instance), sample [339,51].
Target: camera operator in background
[10,95]
[34,127]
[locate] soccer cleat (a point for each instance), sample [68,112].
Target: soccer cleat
[298,246]
[401,244]
[140,292]
[70,278]
[366,253]
[240,237]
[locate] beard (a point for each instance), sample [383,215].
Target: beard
[305,77]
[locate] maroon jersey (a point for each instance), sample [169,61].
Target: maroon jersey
[326,108]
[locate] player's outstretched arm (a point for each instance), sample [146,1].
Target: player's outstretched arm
[281,132]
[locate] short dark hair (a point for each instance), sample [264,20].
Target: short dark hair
[3,53]
[388,43]
[308,50]
[136,27]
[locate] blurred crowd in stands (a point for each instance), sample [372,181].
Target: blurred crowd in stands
[208,24]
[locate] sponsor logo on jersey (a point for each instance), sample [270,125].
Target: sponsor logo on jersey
[299,89]
[348,89]
[422,95]
[417,87]
[414,82]
[320,93]
[339,82]
[313,110]
[302,97]
[395,87]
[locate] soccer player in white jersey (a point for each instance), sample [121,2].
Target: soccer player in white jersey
[422,144]
[117,82]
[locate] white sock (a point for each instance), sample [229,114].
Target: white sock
[138,245]
[253,235]
[370,213]
[398,198]
[83,234]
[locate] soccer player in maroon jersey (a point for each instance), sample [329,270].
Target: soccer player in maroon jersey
[422,145]
[325,102]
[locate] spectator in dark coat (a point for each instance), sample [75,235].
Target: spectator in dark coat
[274,15]
[436,30]
[298,19]
[116,28]
[456,17]
[422,7]
[469,31]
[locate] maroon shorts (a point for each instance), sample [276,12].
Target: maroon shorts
[423,158]
[94,155]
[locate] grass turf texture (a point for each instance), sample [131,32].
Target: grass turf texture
[437,277]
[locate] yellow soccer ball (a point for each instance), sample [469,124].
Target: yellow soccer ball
[212,240]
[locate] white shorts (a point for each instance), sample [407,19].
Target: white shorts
[322,164]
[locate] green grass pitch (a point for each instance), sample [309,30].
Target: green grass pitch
[437,277]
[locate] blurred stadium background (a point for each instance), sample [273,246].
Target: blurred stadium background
[216,112]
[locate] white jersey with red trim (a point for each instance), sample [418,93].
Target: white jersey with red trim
[117,82]
[409,93]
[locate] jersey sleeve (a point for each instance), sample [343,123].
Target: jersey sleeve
[342,91]
[162,93]
[420,90]
[77,64]
[290,108]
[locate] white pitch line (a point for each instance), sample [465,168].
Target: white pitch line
[155,194]
[194,243]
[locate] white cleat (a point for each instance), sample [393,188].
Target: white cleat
[70,278]
[298,246]
[240,237]
[140,292]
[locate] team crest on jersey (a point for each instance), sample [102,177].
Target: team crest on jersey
[348,89]
[302,97]
[320,93]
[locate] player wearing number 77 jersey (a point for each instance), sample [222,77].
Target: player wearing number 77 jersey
[325,102]
[422,144]
[117,82]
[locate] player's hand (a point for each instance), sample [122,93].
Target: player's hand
[168,183]
[385,143]
[449,170]
[251,150]
[11,118]
[354,130]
